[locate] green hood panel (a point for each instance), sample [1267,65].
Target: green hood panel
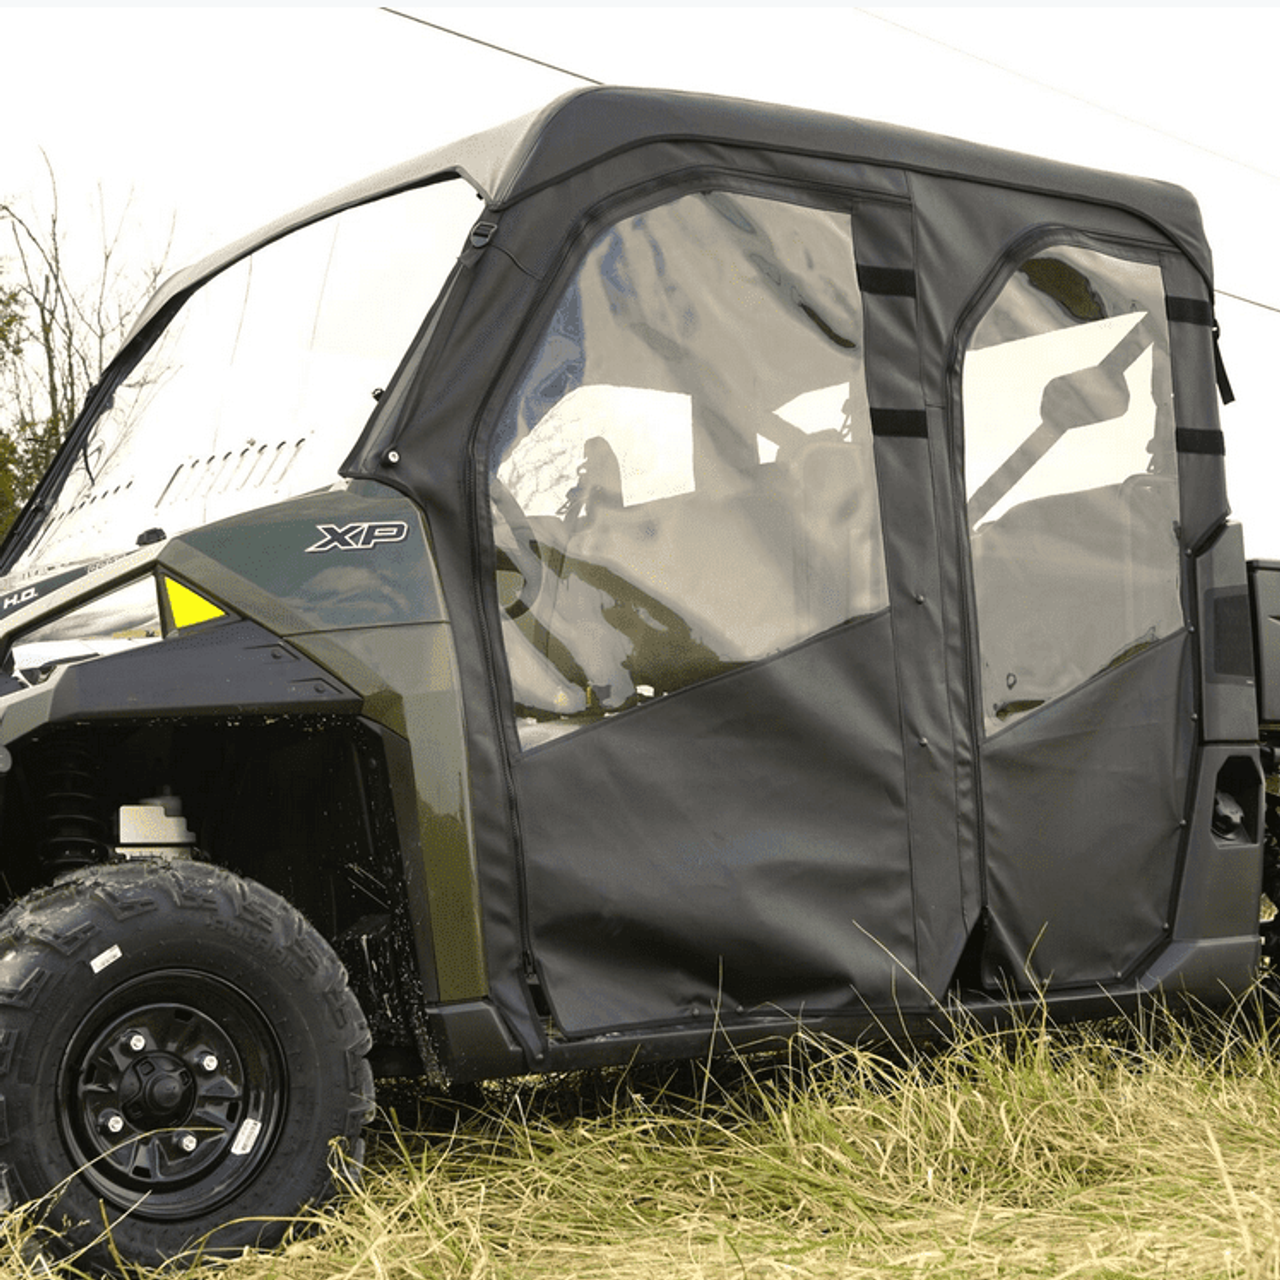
[355,557]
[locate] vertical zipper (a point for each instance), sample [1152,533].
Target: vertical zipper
[489,645]
[953,420]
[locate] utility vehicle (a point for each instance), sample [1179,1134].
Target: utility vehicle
[658,574]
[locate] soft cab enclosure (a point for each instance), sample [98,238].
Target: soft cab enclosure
[783,578]
[827,514]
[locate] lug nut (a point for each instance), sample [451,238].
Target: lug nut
[187,1142]
[208,1062]
[137,1042]
[112,1121]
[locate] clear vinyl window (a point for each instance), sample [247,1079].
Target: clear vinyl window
[1071,476]
[684,480]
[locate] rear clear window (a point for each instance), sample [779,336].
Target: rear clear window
[1071,476]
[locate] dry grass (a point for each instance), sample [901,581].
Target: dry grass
[1104,1151]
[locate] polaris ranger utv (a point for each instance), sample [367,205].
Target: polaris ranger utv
[770,570]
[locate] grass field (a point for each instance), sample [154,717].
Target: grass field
[1102,1151]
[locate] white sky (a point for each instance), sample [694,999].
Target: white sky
[230,116]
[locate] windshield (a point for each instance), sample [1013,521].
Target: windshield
[258,388]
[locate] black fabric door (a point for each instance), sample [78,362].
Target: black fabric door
[699,645]
[1073,507]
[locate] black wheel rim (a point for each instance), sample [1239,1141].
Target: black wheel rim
[172,1094]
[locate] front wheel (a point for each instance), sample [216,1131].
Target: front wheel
[178,1049]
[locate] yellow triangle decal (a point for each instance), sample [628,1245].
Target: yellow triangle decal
[188,607]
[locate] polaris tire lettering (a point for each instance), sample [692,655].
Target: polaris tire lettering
[361,536]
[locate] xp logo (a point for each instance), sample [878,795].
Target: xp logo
[361,536]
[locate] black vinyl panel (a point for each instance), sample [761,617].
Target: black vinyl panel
[738,845]
[1081,865]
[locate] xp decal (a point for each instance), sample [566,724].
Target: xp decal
[361,536]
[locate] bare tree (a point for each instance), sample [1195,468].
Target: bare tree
[59,325]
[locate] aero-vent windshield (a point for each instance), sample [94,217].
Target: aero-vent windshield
[258,388]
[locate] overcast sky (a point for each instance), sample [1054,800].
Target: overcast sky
[227,117]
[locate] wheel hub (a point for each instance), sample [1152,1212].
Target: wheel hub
[156,1091]
[171,1101]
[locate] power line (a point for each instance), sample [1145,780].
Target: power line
[524,57]
[1097,106]
[921,35]
[511,53]
[1253,302]
[1066,93]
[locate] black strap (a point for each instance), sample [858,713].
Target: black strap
[911,424]
[1220,369]
[1198,311]
[887,282]
[1195,440]
[1189,311]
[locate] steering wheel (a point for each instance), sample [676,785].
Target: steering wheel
[523,552]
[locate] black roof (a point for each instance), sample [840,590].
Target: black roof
[513,160]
